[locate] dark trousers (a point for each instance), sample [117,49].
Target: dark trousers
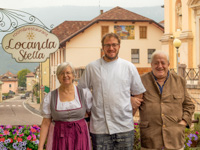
[118,141]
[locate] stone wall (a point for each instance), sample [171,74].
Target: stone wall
[195,94]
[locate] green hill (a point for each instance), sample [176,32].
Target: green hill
[9,64]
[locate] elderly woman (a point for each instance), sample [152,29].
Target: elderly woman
[63,112]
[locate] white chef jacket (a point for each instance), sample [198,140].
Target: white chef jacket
[111,84]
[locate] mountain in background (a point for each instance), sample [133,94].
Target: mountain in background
[9,64]
[56,15]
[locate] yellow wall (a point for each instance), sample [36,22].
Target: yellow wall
[188,33]
[45,73]
[44,77]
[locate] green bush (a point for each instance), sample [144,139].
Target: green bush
[38,100]
[137,144]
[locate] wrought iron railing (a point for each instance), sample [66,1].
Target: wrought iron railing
[11,19]
[173,70]
[189,73]
[192,74]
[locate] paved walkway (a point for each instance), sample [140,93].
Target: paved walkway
[32,105]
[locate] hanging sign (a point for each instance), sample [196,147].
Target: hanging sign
[30,44]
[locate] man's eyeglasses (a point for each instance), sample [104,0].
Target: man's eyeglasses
[114,45]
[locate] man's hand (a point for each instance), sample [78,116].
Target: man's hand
[136,102]
[183,122]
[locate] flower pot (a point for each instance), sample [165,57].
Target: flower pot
[194,143]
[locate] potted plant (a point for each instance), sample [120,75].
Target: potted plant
[192,139]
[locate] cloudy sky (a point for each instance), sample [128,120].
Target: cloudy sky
[16,4]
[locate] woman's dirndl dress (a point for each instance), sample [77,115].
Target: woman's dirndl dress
[68,130]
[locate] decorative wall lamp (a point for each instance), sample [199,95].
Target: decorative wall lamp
[177,44]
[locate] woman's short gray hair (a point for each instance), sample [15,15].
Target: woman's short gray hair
[64,65]
[157,52]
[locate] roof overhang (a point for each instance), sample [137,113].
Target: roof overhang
[63,42]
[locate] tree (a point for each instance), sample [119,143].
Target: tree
[22,77]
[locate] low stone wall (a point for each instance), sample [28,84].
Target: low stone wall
[195,94]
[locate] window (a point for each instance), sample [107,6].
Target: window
[135,56]
[150,52]
[143,32]
[10,85]
[104,30]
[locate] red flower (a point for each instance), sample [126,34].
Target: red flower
[19,139]
[28,148]
[15,138]
[6,132]
[33,130]
[2,139]
[11,140]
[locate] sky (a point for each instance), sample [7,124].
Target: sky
[16,4]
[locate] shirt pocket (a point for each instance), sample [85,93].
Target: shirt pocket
[178,98]
[144,124]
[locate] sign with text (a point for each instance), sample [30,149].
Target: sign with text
[30,44]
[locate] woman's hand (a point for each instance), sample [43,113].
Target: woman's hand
[43,132]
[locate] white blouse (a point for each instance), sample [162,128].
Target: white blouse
[45,105]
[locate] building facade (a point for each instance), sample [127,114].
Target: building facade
[182,21]
[80,41]
[30,81]
[10,82]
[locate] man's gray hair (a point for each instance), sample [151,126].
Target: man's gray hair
[158,52]
[64,65]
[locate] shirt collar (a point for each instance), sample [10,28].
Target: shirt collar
[156,78]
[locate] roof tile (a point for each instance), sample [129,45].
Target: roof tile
[68,29]
[119,13]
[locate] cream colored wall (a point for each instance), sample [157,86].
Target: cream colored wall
[152,42]
[166,49]
[29,83]
[85,47]
[6,88]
